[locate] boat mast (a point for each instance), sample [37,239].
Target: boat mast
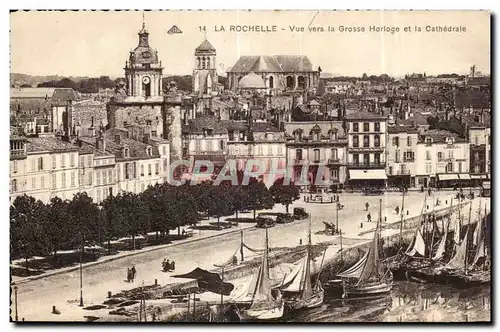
[402,219]
[433,220]
[378,224]
[465,239]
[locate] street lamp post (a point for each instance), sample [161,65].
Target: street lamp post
[15,302]
[81,279]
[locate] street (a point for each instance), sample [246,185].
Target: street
[36,298]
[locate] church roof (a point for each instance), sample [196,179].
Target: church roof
[205,46]
[276,63]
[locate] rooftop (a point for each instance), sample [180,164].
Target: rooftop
[272,63]
[440,136]
[51,144]
[363,115]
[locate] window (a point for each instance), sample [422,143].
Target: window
[408,141]
[298,154]
[97,178]
[316,155]
[334,174]
[42,182]
[104,177]
[335,154]
[54,164]
[221,145]
[142,170]
[449,168]
[355,127]
[98,196]
[440,156]
[427,155]
[33,164]
[128,171]
[73,175]
[397,157]
[390,170]
[54,181]
[40,163]
[33,183]
[149,151]
[280,149]
[126,153]
[450,154]
[14,185]
[376,158]
[142,186]
[395,141]
[428,141]
[355,141]
[366,141]
[261,150]
[157,168]
[366,127]
[197,145]
[165,165]
[208,145]
[164,149]
[72,160]
[366,159]
[376,141]
[409,156]
[110,176]
[355,158]
[90,179]
[476,140]
[377,126]
[63,160]
[459,167]
[63,180]
[149,169]
[82,161]
[14,166]
[428,168]
[89,161]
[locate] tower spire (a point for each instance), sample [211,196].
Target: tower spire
[143,22]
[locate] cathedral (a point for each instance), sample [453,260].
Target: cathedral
[139,102]
[279,72]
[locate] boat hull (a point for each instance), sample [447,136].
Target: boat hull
[314,301]
[356,291]
[450,277]
[264,314]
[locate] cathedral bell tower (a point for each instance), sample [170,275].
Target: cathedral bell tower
[143,71]
[205,79]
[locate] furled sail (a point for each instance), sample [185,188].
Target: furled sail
[372,264]
[480,253]
[442,246]
[458,261]
[418,246]
[292,281]
[355,270]
[456,237]
[306,287]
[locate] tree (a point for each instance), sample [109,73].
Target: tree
[184,207]
[258,196]
[55,226]
[26,235]
[112,219]
[284,194]
[105,82]
[221,202]
[135,215]
[364,77]
[84,216]
[158,205]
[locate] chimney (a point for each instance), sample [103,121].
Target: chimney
[118,139]
[146,138]
[482,116]
[92,122]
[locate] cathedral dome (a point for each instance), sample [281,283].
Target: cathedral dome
[252,81]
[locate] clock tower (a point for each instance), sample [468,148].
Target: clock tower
[143,71]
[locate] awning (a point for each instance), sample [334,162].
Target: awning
[478,176]
[444,177]
[368,174]
[464,176]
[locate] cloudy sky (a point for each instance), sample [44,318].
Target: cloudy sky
[98,43]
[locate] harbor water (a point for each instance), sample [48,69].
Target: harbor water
[408,302]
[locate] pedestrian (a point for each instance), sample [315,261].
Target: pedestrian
[172,266]
[397,209]
[369,217]
[166,266]
[367,206]
[133,272]
[429,191]
[300,242]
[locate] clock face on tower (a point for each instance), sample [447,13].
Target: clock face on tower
[146,54]
[146,80]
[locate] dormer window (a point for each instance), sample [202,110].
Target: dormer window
[126,152]
[210,132]
[450,140]
[428,140]
[149,151]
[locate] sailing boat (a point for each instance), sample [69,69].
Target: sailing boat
[264,302]
[297,287]
[459,271]
[368,276]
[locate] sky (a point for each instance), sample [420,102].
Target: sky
[97,43]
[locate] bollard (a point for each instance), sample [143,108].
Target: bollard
[300,242]
[385,219]
[407,212]
[427,207]
[109,294]
[361,226]
[446,202]
[156,282]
